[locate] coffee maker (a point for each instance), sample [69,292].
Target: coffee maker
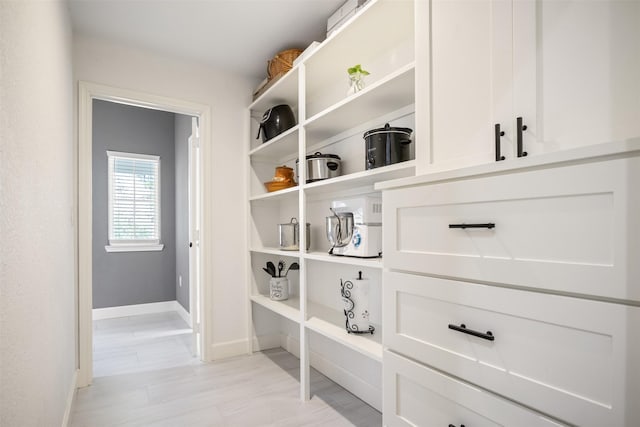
[355,227]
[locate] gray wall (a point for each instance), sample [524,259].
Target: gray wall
[182,133]
[125,278]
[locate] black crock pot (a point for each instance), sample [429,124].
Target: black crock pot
[275,121]
[386,146]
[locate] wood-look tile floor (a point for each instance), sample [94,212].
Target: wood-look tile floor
[145,376]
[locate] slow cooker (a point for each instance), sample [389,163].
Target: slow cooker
[321,166]
[386,146]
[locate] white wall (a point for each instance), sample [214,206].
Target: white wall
[37,304]
[228,95]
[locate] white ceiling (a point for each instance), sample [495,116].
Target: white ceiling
[236,35]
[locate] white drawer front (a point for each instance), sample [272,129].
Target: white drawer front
[567,357]
[569,229]
[415,395]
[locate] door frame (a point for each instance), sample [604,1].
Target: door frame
[87,92]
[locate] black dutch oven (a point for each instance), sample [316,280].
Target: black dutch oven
[275,121]
[387,146]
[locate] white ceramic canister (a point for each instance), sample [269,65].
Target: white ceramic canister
[279,288]
[355,296]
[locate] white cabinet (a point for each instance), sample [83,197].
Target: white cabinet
[567,68]
[426,397]
[538,305]
[471,82]
[311,323]
[559,229]
[563,356]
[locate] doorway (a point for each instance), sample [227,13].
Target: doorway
[87,248]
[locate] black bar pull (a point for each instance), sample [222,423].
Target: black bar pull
[498,134]
[520,128]
[463,328]
[488,225]
[451,425]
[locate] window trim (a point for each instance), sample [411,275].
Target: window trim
[132,245]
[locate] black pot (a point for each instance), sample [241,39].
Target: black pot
[386,146]
[275,121]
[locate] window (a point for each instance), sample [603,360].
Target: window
[134,202]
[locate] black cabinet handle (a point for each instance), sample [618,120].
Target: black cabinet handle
[488,225]
[463,328]
[498,134]
[520,128]
[451,425]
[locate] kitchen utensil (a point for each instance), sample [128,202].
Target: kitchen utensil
[272,268]
[283,174]
[294,266]
[386,146]
[279,288]
[289,235]
[275,121]
[321,166]
[280,268]
[282,179]
[272,186]
[355,296]
[365,234]
[267,271]
[339,229]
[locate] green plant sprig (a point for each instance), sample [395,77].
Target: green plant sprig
[357,69]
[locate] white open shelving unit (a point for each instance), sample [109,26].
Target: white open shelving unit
[332,122]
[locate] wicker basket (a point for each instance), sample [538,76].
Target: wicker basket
[282,62]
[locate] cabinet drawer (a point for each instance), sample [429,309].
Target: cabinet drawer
[574,359]
[415,395]
[572,228]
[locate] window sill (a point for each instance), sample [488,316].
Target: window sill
[133,248]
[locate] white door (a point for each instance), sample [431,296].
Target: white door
[194,234]
[471,81]
[576,72]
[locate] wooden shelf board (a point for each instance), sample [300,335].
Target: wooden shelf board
[392,93]
[284,91]
[331,324]
[289,308]
[366,178]
[282,147]
[276,251]
[276,195]
[356,39]
[361,262]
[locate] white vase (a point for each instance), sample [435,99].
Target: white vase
[356,83]
[279,288]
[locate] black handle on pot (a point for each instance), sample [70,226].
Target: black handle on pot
[332,166]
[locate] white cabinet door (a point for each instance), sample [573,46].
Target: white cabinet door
[470,80]
[568,229]
[416,395]
[576,68]
[571,358]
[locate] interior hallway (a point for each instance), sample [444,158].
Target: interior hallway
[145,375]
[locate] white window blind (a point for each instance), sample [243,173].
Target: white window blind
[134,199]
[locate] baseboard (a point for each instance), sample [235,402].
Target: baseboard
[266,342]
[182,312]
[137,309]
[71,397]
[229,349]
[356,385]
